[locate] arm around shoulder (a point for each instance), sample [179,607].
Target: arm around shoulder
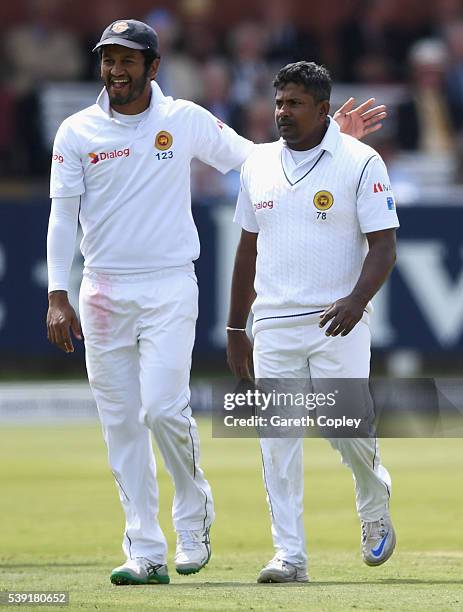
[217,144]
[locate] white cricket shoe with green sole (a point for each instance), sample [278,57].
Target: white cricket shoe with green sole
[140,571]
[193,551]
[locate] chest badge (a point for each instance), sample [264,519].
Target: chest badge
[163,141]
[323,200]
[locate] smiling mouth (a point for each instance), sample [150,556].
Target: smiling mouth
[119,83]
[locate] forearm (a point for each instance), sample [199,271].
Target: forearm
[61,239]
[346,312]
[242,291]
[376,268]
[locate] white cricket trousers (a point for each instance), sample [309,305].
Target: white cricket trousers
[306,352]
[139,332]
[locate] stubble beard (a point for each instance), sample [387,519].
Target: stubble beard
[136,89]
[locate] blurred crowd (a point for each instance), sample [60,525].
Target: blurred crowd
[376,42]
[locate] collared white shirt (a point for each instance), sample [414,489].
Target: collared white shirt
[134,179]
[312,218]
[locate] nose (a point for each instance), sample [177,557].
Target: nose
[117,69]
[283,111]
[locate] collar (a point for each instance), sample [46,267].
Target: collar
[330,139]
[157,97]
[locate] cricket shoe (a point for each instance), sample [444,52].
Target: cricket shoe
[140,571]
[279,570]
[378,540]
[193,551]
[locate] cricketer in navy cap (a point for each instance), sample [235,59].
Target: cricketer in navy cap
[130,33]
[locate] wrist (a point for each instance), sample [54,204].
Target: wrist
[232,328]
[359,297]
[58,296]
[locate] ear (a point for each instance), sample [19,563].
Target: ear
[101,62]
[324,109]
[154,68]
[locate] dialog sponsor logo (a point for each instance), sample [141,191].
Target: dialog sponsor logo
[263,204]
[99,157]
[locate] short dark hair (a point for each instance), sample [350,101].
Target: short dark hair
[314,78]
[148,55]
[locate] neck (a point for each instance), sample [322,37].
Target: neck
[311,141]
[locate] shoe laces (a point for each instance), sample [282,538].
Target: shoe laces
[281,562]
[148,565]
[192,540]
[373,529]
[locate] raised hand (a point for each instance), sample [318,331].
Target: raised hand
[362,120]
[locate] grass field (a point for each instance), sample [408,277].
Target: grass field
[62,525]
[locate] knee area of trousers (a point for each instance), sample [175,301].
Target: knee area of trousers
[160,413]
[355,453]
[120,427]
[177,429]
[345,447]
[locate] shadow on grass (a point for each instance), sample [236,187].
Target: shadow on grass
[304,585]
[44,566]
[230,584]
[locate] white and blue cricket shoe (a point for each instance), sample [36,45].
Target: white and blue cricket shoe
[378,540]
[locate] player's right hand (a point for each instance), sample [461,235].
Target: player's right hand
[61,318]
[239,354]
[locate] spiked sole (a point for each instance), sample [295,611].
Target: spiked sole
[124,578]
[186,571]
[271,577]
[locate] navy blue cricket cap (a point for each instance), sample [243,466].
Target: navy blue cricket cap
[130,33]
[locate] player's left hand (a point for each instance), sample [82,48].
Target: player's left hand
[239,354]
[344,315]
[361,121]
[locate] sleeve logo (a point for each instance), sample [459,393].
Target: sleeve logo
[380,187]
[390,203]
[163,141]
[323,200]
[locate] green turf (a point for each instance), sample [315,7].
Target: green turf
[61,528]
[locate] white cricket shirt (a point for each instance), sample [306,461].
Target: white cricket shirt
[134,179]
[311,218]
